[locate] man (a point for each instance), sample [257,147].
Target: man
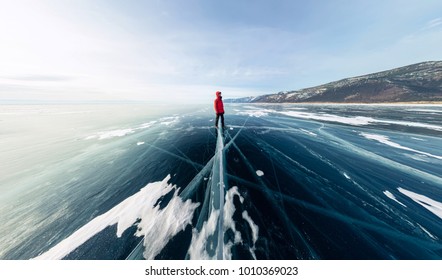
[219,109]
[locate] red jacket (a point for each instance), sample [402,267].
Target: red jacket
[219,106]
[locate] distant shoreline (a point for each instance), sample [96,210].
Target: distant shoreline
[339,103]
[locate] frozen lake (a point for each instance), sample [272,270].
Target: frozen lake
[281,182]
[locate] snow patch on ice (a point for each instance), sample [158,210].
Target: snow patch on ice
[412,124]
[431,205]
[391,196]
[198,245]
[424,110]
[427,232]
[157,225]
[358,120]
[145,125]
[229,223]
[168,121]
[140,143]
[203,246]
[259,173]
[111,134]
[308,132]
[385,140]
[328,117]
[104,135]
[255,231]
[256,113]
[253,226]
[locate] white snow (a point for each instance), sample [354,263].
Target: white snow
[412,124]
[427,232]
[424,110]
[214,226]
[229,223]
[259,173]
[200,240]
[328,117]
[252,225]
[104,135]
[111,134]
[158,226]
[146,125]
[140,143]
[197,248]
[169,120]
[431,205]
[358,120]
[308,132]
[255,231]
[385,140]
[391,196]
[257,113]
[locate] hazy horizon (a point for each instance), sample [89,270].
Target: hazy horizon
[186,51]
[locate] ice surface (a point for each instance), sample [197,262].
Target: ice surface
[199,248]
[431,205]
[114,133]
[214,206]
[391,196]
[308,132]
[257,113]
[341,182]
[255,231]
[428,233]
[385,140]
[329,117]
[209,242]
[157,225]
[168,121]
[104,135]
[229,223]
[357,120]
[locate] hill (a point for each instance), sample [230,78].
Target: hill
[420,82]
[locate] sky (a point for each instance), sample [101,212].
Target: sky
[184,51]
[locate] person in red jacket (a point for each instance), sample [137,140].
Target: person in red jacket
[219,109]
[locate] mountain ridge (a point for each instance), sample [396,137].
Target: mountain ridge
[420,82]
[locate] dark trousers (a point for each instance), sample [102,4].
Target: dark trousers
[217,118]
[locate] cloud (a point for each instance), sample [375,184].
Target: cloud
[41,78]
[161,49]
[433,23]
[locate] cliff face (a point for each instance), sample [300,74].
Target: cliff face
[420,82]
